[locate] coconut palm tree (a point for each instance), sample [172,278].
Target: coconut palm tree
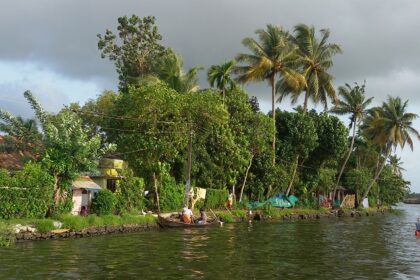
[271,56]
[220,75]
[170,70]
[352,102]
[389,126]
[316,60]
[396,165]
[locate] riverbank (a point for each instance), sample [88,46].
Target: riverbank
[68,226]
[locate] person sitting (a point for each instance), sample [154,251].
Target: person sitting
[187,215]
[203,217]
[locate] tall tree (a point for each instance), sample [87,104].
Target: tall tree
[220,76]
[389,126]
[136,49]
[352,102]
[316,60]
[273,55]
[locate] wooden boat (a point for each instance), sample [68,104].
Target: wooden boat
[170,220]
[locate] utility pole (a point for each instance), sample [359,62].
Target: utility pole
[188,181]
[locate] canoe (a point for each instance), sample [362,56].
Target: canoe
[168,221]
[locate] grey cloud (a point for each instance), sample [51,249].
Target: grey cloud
[379,38]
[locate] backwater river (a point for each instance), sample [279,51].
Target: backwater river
[376,247]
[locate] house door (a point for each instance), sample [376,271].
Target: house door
[85,199]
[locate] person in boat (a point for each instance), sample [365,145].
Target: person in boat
[187,215]
[203,217]
[418,225]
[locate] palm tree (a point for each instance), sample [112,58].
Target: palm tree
[395,163]
[389,126]
[316,59]
[24,133]
[219,75]
[170,70]
[273,55]
[352,102]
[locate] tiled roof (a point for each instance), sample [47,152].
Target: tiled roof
[12,160]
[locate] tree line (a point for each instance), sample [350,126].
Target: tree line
[234,145]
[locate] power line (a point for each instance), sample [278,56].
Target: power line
[95,114]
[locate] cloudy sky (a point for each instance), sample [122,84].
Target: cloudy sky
[50,47]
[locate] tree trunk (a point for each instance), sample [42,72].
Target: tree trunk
[56,190]
[376,175]
[305,103]
[273,101]
[223,96]
[156,191]
[345,161]
[246,176]
[293,177]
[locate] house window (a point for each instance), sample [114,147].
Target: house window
[111,184]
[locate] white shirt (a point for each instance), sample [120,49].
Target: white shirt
[187,211]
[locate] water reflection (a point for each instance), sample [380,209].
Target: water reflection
[379,247]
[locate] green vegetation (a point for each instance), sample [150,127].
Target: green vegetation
[103,203]
[215,199]
[44,225]
[26,194]
[159,110]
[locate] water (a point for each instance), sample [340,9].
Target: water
[379,247]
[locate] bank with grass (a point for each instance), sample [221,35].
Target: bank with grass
[69,226]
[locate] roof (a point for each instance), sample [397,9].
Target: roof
[85,182]
[12,160]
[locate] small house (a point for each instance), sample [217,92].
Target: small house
[109,173]
[83,189]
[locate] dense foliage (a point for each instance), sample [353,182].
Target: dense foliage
[103,203]
[216,198]
[129,195]
[27,193]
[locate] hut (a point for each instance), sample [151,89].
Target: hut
[83,189]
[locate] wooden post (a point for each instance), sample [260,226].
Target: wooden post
[156,191]
[188,181]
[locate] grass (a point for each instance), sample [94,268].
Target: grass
[5,240]
[44,225]
[78,222]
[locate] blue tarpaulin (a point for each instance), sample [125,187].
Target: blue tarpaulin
[276,201]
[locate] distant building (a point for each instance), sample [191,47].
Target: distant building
[109,173]
[85,187]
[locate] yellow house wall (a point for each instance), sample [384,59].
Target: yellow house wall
[100,181]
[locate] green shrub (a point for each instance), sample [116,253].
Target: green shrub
[216,199]
[103,203]
[171,194]
[129,195]
[26,194]
[44,225]
[74,222]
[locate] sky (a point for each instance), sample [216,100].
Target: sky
[50,47]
